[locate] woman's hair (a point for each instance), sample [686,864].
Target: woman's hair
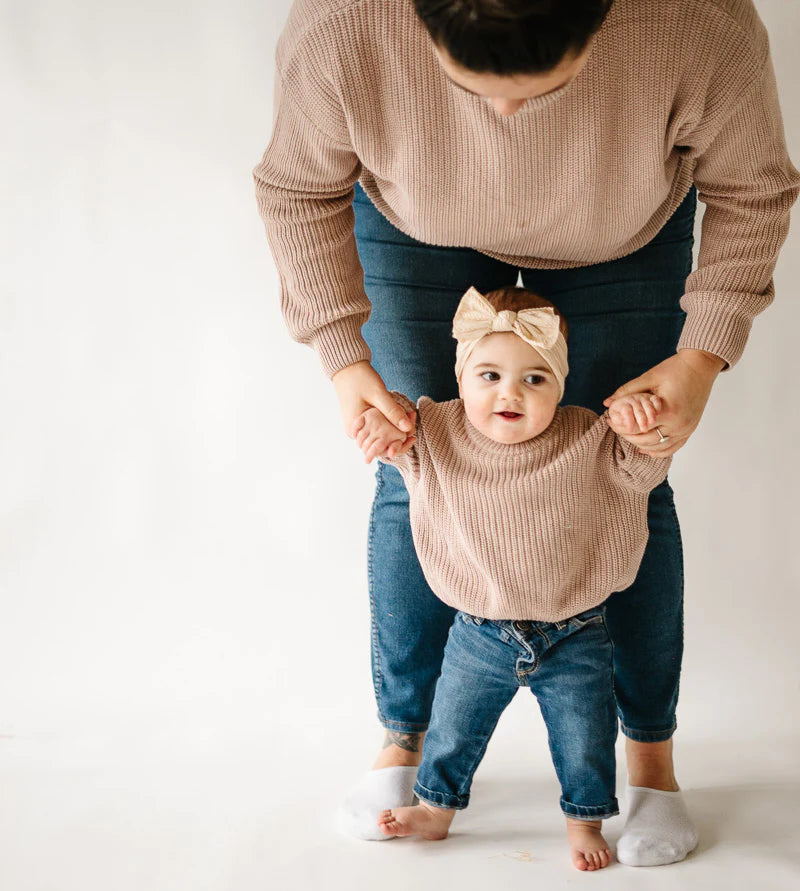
[506,37]
[517,299]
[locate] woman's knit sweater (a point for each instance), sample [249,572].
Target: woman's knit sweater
[673,91]
[541,529]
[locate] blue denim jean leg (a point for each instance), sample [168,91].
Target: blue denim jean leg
[567,665]
[624,317]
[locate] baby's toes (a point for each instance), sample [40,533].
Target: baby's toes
[580,860]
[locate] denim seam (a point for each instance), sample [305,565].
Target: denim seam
[534,667]
[377,676]
[678,539]
[544,635]
[648,735]
[581,623]
[601,812]
[463,800]
[475,762]
[402,726]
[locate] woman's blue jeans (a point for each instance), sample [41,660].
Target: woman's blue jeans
[624,317]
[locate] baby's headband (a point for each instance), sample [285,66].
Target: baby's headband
[476,317]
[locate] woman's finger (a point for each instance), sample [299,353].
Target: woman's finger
[393,412]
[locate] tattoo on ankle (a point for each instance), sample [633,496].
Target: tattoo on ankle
[407,741]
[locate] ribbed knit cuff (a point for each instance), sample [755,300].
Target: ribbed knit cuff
[642,472]
[710,325]
[340,344]
[407,404]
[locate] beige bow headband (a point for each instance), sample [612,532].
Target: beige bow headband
[476,317]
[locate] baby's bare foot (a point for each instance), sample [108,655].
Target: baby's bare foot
[422,819]
[587,845]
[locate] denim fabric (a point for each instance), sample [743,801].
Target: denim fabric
[624,317]
[569,668]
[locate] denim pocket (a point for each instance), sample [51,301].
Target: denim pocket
[590,617]
[469,619]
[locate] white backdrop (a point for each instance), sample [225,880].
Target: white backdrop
[183,541]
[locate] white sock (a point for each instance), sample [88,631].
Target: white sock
[658,828]
[377,790]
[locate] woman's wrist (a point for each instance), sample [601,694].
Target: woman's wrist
[702,360]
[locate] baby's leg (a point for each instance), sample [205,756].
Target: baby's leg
[588,847]
[476,684]
[574,686]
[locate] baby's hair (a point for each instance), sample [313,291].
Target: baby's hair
[517,299]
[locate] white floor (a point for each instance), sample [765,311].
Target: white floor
[207,811]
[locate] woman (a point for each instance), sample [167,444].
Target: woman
[448,143]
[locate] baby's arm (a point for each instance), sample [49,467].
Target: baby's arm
[629,416]
[638,413]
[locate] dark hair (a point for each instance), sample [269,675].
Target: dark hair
[506,37]
[517,299]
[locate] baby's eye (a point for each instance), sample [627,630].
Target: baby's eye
[535,378]
[489,372]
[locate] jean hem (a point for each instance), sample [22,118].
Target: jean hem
[648,735]
[402,726]
[590,812]
[440,799]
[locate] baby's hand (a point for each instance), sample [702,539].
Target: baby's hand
[633,414]
[376,436]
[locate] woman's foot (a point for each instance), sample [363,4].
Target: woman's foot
[400,750]
[423,819]
[658,828]
[389,784]
[650,765]
[588,847]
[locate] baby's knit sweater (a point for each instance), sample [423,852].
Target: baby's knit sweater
[541,529]
[673,92]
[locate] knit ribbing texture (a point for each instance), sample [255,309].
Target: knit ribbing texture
[673,92]
[541,529]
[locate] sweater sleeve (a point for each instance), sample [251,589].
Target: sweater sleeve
[407,464]
[304,187]
[745,178]
[633,469]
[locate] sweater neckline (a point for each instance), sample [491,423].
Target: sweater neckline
[532,446]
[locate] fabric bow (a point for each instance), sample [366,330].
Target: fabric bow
[475,317]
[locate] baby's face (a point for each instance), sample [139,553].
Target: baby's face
[503,373]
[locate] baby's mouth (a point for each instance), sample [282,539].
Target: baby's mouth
[511,415]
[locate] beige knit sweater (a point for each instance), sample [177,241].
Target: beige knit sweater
[674,91]
[541,529]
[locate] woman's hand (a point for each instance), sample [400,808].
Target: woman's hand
[683,382]
[360,387]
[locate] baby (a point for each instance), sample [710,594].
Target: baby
[526,515]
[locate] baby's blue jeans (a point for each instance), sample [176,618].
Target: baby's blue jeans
[624,317]
[567,665]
